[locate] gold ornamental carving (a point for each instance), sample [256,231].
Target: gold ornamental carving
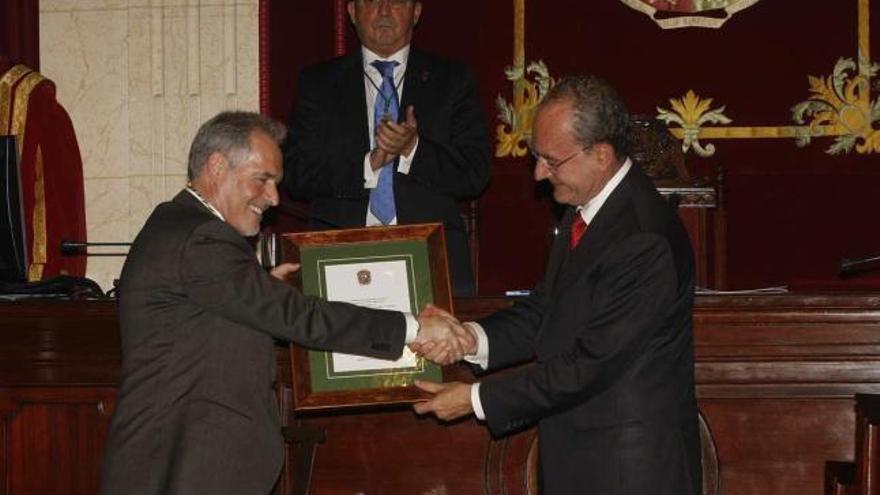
[516,128]
[691,112]
[679,14]
[842,101]
[839,106]
[530,84]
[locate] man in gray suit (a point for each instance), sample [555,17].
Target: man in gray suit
[198,316]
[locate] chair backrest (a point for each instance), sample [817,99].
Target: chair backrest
[512,463]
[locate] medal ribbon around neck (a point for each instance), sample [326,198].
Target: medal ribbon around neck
[386,100]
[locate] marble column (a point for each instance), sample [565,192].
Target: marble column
[138,77]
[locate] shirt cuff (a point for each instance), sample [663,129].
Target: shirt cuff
[371,177]
[481,357]
[405,162]
[412,328]
[475,402]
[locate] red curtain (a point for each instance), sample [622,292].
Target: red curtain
[19,34]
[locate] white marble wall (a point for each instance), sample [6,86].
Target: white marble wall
[138,77]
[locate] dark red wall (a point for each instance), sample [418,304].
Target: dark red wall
[19,34]
[792,212]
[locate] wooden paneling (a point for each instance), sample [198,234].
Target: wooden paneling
[775,380]
[56,439]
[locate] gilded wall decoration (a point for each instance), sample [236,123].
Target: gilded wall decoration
[691,112]
[513,133]
[516,117]
[839,105]
[689,13]
[841,101]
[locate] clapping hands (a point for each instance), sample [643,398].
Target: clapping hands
[442,339]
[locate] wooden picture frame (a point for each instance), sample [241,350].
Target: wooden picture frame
[337,258]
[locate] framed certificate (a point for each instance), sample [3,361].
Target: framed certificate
[400,268]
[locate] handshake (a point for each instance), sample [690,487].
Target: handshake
[442,339]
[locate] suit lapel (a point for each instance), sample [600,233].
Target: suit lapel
[559,249]
[353,98]
[599,234]
[186,198]
[416,82]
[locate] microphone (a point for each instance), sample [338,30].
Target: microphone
[856,266]
[78,248]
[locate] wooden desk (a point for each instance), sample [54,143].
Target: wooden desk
[776,376]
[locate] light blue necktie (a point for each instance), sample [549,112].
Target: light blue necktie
[386,107]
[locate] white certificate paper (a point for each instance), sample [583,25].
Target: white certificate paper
[374,284]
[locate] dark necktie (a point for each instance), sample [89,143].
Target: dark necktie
[387,107]
[578,227]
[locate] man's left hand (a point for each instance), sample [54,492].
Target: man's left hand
[399,139]
[451,400]
[284,271]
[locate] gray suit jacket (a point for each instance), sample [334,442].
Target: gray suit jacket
[611,333]
[195,411]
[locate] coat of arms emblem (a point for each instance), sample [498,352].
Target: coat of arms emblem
[670,14]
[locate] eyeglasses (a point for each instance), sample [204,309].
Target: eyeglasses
[392,3]
[555,165]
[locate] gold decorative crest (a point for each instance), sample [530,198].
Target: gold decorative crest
[842,101]
[513,133]
[691,112]
[516,128]
[680,14]
[839,106]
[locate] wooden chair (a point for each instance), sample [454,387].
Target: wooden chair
[512,463]
[862,476]
[697,197]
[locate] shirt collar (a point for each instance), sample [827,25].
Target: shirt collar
[400,56]
[589,210]
[203,201]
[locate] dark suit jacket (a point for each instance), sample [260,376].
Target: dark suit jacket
[198,315]
[611,332]
[329,137]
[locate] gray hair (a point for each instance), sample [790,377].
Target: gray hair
[229,133]
[600,115]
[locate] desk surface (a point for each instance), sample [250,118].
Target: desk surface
[775,380]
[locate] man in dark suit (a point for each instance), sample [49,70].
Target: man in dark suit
[610,329]
[389,135]
[198,318]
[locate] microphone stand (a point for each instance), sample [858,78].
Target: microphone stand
[850,267]
[79,248]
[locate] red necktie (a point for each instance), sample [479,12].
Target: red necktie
[578,227]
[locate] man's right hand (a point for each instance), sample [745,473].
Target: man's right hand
[378,158]
[442,339]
